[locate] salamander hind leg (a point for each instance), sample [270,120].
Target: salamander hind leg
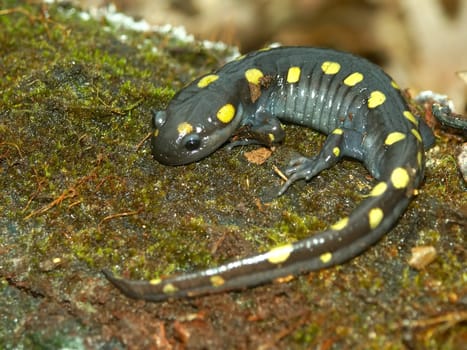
[339,143]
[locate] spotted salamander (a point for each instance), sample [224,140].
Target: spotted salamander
[346,97]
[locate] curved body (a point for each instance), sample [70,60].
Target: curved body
[346,97]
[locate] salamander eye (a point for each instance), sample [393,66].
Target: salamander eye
[192,142]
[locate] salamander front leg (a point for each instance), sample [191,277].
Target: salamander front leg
[259,129]
[335,147]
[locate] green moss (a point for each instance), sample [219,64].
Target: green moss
[307,335]
[75,103]
[294,226]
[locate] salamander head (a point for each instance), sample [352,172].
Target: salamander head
[192,129]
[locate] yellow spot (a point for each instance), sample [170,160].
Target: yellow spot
[417,135]
[253,75]
[184,128]
[325,257]
[155,281]
[226,113]
[208,79]
[217,281]
[420,159]
[394,85]
[329,67]
[271,137]
[400,178]
[284,279]
[169,289]
[394,137]
[156,133]
[379,189]
[280,254]
[409,116]
[338,131]
[339,225]
[336,151]
[375,216]
[353,79]
[376,99]
[293,75]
